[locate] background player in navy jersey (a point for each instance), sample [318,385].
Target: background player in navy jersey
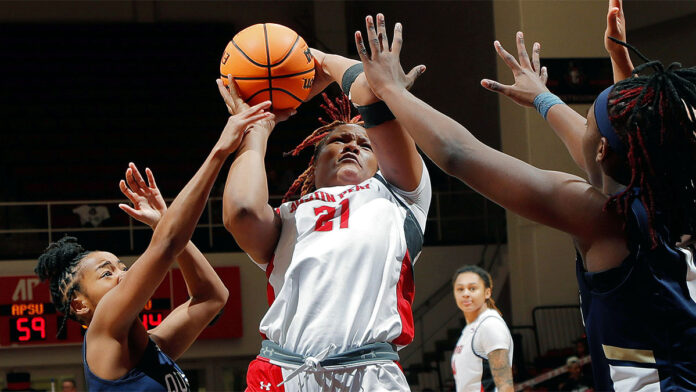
[482,358]
[339,259]
[96,289]
[638,291]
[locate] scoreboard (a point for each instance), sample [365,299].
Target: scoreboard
[27,316]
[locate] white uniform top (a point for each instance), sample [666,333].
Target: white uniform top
[489,333]
[341,273]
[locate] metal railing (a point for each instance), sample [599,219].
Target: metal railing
[27,227]
[556,327]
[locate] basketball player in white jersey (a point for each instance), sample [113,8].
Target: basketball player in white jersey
[339,260]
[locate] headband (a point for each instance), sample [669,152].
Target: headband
[601,112]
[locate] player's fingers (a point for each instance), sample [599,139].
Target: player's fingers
[127,192]
[492,85]
[132,184]
[225,94]
[612,21]
[150,178]
[372,36]
[544,75]
[536,63]
[398,40]
[234,92]
[129,210]
[254,109]
[382,33]
[414,74]
[256,117]
[507,57]
[138,177]
[522,51]
[360,45]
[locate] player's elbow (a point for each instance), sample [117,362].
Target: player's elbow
[237,217]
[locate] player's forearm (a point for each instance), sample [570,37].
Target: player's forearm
[246,189]
[202,282]
[621,65]
[570,127]
[177,226]
[441,138]
[501,370]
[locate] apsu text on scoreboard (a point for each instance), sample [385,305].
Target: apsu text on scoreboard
[27,316]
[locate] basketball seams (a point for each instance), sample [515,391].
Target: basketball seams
[270,92]
[272,77]
[268,61]
[284,75]
[246,56]
[287,54]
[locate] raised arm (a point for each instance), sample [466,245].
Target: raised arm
[539,195]
[207,293]
[530,82]
[120,306]
[396,151]
[621,63]
[245,210]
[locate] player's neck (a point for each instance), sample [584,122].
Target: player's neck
[472,316]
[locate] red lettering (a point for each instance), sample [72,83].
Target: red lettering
[39,324]
[155,321]
[23,329]
[325,214]
[345,213]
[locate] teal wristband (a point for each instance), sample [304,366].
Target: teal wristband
[544,101]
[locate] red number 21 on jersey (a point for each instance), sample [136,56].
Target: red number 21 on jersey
[326,215]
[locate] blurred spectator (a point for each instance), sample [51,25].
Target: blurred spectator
[581,352]
[68,385]
[574,380]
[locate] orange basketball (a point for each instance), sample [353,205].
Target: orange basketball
[269,62]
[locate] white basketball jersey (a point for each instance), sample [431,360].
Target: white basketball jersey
[342,273]
[485,334]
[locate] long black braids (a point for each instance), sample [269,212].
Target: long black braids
[58,265]
[654,116]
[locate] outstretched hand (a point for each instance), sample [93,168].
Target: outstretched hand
[382,66]
[616,28]
[148,203]
[239,124]
[530,77]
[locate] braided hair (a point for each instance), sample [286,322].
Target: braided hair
[339,112]
[485,277]
[653,116]
[58,265]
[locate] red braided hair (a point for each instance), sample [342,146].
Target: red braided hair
[339,112]
[649,115]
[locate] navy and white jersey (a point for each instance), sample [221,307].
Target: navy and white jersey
[155,372]
[640,317]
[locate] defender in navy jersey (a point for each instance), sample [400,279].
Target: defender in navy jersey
[639,134]
[97,290]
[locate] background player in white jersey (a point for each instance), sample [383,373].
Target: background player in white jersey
[339,259]
[482,359]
